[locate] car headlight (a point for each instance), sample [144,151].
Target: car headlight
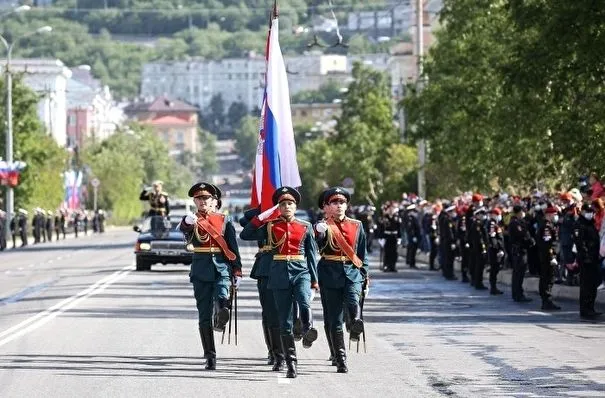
[190,247]
[144,246]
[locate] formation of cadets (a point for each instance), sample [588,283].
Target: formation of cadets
[45,224]
[556,237]
[294,261]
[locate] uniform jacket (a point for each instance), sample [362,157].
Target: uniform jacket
[264,257]
[412,228]
[390,227]
[447,231]
[546,239]
[206,266]
[158,202]
[586,238]
[520,238]
[495,241]
[333,274]
[286,238]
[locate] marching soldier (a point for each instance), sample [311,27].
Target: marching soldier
[342,270]
[546,238]
[293,273]
[14,226]
[324,306]
[23,226]
[478,241]
[216,264]
[412,228]
[36,225]
[465,248]
[260,272]
[390,238]
[586,239]
[520,240]
[496,250]
[447,241]
[158,200]
[48,225]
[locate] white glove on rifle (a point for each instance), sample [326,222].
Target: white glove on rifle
[190,219]
[381,242]
[236,282]
[321,227]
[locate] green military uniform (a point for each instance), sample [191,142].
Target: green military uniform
[293,271]
[260,272]
[212,269]
[341,276]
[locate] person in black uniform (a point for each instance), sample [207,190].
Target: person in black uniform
[495,249]
[23,226]
[447,241]
[57,223]
[76,222]
[546,239]
[158,200]
[477,202]
[48,225]
[463,243]
[14,226]
[36,225]
[2,231]
[85,221]
[433,233]
[390,234]
[478,241]
[520,240]
[62,222]
[586,239]
[412,229]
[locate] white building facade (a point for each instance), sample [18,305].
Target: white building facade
[48,78]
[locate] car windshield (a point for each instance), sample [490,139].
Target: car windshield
[158,224]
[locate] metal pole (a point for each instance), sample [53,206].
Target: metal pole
[10,194]
[420,53]
[402,111]
[94,197]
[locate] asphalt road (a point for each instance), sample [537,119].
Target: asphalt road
[77,320]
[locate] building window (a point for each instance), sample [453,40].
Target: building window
[71,120]
[180,137]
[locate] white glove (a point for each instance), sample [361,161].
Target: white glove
[574,249]
[264,215]
[190,219]
[436,241]
[321,227]
[414,240]
[366,292]
[554,262]
[313,294]
[466,245]
[398,241]
[500,254]
[453,246]
[237,280]
[381,242]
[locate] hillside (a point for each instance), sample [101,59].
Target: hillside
[116,41]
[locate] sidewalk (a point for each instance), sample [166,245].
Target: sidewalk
[530,283]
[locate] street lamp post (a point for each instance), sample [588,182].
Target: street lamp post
[10,194]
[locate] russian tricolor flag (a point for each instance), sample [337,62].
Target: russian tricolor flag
[276,164]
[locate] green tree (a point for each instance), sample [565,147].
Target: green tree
[327,93]
[246,140]
[237,111]
[40,183]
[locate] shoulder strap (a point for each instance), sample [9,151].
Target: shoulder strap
[209,228]
[343,244]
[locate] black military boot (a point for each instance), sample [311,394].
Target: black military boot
[494,291]
[338,340]
[278,351]
[208,346]
[356,322]
[330,345]
[548,305]
[290,353]
[297,327]
[309,333]
[269,344]
[221,316]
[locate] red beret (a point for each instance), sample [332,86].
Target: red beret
[477,197]
[496,210]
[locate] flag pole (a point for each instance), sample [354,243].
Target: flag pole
[275,11]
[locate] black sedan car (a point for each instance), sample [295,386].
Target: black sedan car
[160,241]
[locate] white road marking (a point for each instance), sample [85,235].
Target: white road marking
[539,313]
[43,317]
[283,380]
